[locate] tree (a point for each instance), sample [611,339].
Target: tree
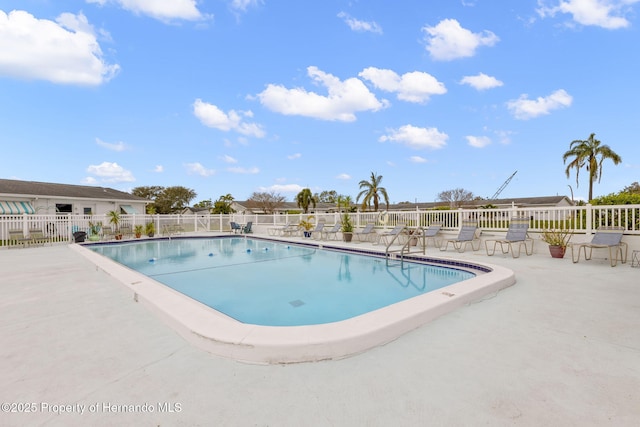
[327,196]
[149,193]
[174,199]
[203,204]
[634,188]
[456,197]
[267,201]
[590,154]
[304,199]
[223,205]
[372,191]
[344,202]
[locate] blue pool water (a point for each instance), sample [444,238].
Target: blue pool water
[274,284]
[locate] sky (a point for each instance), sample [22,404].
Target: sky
[242,96]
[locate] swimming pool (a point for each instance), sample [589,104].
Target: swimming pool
[278,284]
[224,336]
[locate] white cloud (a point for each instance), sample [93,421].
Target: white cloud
[448,40]
[243,5]
[478,141]
[282,188]
[504,136]
[89,180]
[213,117]
[344,99]
[524,108]
[164,10]
[294,156]
[158,169]
[229,159]
[198,169]
[417,159]
[357,25]
[416,137]
[253,170]
[344,176]
[115,146]
[65,51]
[481,81]
[111,172]
[415,86]
[601,13]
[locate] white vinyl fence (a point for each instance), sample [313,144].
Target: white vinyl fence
[579,219]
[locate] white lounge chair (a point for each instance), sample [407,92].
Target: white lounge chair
[467,236]
[388,236]
[516,234]
[367,233]
[605,238]
[332,232]
[278,231]
[316,233]
[431,233]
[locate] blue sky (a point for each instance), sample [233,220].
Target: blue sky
[237,96]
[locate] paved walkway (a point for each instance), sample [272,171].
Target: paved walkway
[559,348]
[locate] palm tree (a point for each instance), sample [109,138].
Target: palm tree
[591,154]
[343,202]
[305,198]
[372,191]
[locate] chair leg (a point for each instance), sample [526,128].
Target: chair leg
[513,252]
[486,246]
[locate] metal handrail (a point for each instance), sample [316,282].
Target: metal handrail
[416,233]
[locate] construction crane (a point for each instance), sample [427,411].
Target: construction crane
[502,187]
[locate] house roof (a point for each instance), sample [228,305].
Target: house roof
[518,201]
[46,189]
[291,206]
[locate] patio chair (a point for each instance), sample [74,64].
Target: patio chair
[431,233]
[247,228]
[126,231]
[333,231]
[390,235]
[235,227]
[108,233]
[17,237]
[316,233]
[516,234]
[368,233]
[604,238]
[278,231]
[37,237]
[292,230]
[467,236]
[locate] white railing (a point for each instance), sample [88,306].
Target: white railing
[579,219]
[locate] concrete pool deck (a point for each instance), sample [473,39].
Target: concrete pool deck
[560,347]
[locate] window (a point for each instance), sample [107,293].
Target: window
[87,211]
[64,208]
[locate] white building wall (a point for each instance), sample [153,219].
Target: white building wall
[97,207]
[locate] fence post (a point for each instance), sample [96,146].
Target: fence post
[589,226]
